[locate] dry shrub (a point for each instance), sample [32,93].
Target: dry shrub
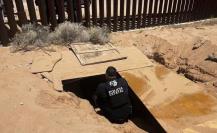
[31,37]
[99,35]
[69,32]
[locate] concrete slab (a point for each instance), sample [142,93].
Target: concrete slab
[176,102]
[70,68]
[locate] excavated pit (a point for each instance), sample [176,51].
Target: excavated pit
[85,88]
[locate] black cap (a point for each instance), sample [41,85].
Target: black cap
[111,71]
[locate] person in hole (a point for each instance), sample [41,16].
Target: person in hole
[112,97]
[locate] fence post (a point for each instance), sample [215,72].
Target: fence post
[21,12]
[109,13]
[139,14]
[165,15]
[11,18]
[78,11]
[52,13]
[128,15]
[87,12]
[150,15]
[121,15]
[134,14]
[115,5]
[60,10]
[94,12]
[31,9]
[155,16]
[4,34]
[43,12]
[70,10]
[144,16]
[101,12]
[160,14]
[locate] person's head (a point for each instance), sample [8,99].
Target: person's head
[111,73]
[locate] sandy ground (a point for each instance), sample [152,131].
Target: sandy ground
[28,102]
[185,49]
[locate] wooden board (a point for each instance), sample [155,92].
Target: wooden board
[88,54]
[81,48]
[99,57]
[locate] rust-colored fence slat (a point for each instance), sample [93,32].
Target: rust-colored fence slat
[215,8]
[155,18]
[150,13]
[178,12]
[190,9]
[165,13]
[94,12]
[108,8]
[78,11]
[52,13]
[31,9]
[139,14]
[144,15]
[121,15]
[182,10]
[169,12]
[174,11]
[101,12]
[21,12]
[115,5]
[160,19]
[128,15]
[186,11]
[196,9]
[43,12]
[134,14]
[4,39]
[70,10]
[10,15]
[87,13]
[60,10]
[209,8]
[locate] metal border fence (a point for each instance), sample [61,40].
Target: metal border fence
[117,15]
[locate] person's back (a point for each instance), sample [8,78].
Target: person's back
[113,98]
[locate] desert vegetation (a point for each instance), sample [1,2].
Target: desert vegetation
[33,37]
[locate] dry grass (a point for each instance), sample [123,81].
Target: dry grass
[31,37]
[99,35]
[36,37]
[68,33]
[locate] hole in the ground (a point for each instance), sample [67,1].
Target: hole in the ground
[85,88]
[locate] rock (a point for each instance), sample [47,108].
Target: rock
[213,57]
[215,84]
[21,103]
[200,43]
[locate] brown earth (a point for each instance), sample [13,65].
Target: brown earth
[28,102]
[190,50]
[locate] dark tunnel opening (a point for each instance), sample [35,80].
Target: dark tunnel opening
[85,88]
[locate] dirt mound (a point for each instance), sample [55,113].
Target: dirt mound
[188,50]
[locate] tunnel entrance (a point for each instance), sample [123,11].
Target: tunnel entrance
[85,88]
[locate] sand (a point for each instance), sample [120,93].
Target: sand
[189,50]
[28,102]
